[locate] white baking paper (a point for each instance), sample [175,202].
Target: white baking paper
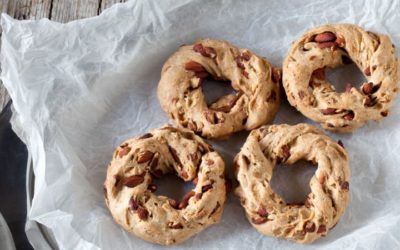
[79,89]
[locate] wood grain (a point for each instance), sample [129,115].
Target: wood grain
[26,9]
[65,11]
[107,3]
[56,10]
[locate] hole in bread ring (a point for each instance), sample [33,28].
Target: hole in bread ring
[328,47]
[268,212]
[131,192]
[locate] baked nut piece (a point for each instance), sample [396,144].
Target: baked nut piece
[266,210]
[332,45]
[253,78]
[129,191]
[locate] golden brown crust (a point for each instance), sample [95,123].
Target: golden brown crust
[253,78]
[332,45]
[265,209]
[129,190]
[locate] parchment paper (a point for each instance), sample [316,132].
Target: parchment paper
[79,89]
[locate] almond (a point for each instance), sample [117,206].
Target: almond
[239,63]
[367,71]
[259,220]
[185,199]
[368,88]
[198,47]
[262,212]
[309,227]
[321,229]
[210,52]
[144,156]
[142,213]
[133,204]
[194,66]
[325,37]
[154,161]
[204,51]
[245,56]
[202,75]
[349,116]
[209,162]
[133,181]
[327,45]
[198,196]
[174,155]
[345,186]
[205,188]
[145,136]
[328,111]
[210,116]
[175,226]
[173,203]
[369,101]
[224,109]
[214,210]
[124,151]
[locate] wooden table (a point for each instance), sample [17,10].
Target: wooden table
[56,10]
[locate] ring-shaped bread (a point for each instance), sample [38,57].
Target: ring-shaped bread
[253,78]
[129,190]
[266,210]
[330,46]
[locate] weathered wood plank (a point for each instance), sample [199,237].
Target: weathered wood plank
[26,9]
[65,11]
[40,9]
[107,3]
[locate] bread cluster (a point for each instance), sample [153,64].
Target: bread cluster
[129,190]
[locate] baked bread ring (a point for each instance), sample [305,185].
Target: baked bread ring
[129,190]
[330,46]
[266,210]
[253,78]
